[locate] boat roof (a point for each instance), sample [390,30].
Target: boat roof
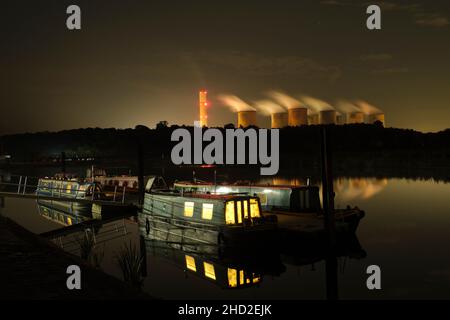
[228,196]
[262,186]
[214,196]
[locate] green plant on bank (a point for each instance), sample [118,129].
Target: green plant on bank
[130,262]
[88,250]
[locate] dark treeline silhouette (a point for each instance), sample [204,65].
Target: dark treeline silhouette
[358,149]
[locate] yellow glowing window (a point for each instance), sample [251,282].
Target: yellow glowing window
[245,202]
[232,278]
[256,279]
[254,208]
[209,270]
[229,213]
[68,188]
[241,277]
[239,211]
[207,211]
[188,209]
[190,263]
[69,221]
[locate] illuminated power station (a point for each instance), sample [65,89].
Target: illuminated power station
[203,105]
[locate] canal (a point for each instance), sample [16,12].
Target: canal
[404,232]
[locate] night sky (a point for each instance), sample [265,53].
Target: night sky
[139,62]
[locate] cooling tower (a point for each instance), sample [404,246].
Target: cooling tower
[246,118]
[327,117]
[340,118]
[297,117]
[376,117]
[355,117]
[279,120]
[313,118]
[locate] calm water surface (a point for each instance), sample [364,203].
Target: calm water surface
[406,231]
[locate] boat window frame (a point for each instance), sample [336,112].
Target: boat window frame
[193,209]
[203,211]
[233,203]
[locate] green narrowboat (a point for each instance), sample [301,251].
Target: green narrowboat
[215,219]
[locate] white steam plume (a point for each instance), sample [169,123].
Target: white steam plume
[315,105]
[346,106]
[235,103]
[268,107]
[284,99]
[367,108]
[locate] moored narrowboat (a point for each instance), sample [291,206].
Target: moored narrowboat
[297,208]
[53,189]
[223,219]
[68,189]
[272,197]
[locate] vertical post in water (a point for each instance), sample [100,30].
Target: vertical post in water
[2,199]
[123,194]
[141,186]
[328,212]
[63,164]
[215,180]
[143,252]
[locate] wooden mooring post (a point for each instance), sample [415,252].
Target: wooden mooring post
[141,186]
[328,211]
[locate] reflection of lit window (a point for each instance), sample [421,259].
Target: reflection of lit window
[188,209]
[229,213]
[245,202]
[190,263]
[232,278]
[209,270]
[207,211]
[239,211]
[254,208]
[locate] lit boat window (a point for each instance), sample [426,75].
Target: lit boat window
[245,202]
[241,277]
[239,211]
[69,188]
[254,208]
[207,211]
[190,263]
[188,209]
[229,213]
[232,278]
[209,270]
[256,279]
[69,221]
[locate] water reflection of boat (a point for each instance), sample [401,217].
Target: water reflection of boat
[234,268]
[63,217]
[222,218]
[230,269]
